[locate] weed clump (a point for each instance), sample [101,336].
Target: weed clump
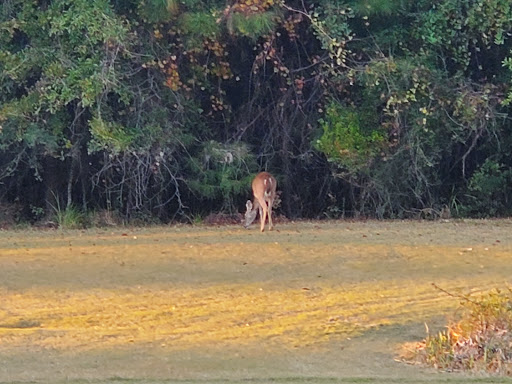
[481,341]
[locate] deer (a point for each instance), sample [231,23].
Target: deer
[264,191]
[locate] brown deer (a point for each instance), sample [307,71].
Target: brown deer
[264,190]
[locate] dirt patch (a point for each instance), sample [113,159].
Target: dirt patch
[308,301]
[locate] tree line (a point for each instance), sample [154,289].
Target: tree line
[164,109]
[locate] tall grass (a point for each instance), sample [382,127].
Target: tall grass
[69,218]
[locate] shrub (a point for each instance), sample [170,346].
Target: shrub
[481,341]
[346,141]
[69,218]
[488,191]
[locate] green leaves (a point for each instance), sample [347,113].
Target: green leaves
[465,29]
[346,142]
[220,172]
[488,190]
[110,136]
[199,25]
[254,25]
[68,55]
[157,11]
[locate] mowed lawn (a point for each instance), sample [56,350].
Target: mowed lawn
[308,302]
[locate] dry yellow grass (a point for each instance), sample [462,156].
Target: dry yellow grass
[184,317]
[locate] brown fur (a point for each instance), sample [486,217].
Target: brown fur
[264,188]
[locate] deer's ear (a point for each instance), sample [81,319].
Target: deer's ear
[248,205]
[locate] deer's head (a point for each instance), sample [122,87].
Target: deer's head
[250,213]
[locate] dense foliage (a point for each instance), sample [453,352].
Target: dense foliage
[165,109]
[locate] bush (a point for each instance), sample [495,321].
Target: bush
[480,342]
[69,218]
[346,141]
[488,191]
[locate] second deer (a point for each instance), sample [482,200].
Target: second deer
[264,191]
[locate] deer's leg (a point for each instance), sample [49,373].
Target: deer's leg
[263,214]
[263,219]
[270,225]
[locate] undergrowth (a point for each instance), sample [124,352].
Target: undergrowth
[69,218]
[481,341]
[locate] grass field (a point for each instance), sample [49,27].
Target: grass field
[310,302]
